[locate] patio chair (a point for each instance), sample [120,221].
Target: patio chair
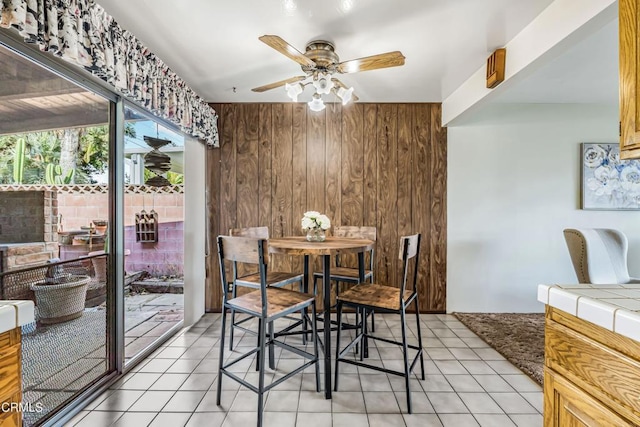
[267,304]
[389,299]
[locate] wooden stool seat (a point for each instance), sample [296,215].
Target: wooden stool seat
[274,278]
[346,274]
[372,295]
[279,302]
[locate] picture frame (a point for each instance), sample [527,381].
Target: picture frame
[608,183]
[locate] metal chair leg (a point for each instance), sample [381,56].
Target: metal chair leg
[303,315]
[365,331]
[261,351]
[233,317]
[358,320]
[362,330]
[373,321]
[335,379]
[259,356]
[419,338]
[221,361]
[272,358]
[314,329]
[407,373]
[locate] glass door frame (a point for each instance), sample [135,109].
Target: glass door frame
[115,341]
[127,365]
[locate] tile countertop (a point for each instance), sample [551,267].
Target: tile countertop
[14,314]
[614,307]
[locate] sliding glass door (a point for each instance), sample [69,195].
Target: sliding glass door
[55,143]
[153,231]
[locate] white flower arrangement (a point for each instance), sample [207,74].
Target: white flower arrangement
[314,220]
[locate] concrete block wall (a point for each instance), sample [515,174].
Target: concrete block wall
[23,255]
[164,258]
[28,216]
[79,210]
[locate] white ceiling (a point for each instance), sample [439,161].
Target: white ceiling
[214,46]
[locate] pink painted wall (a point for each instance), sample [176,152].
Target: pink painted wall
[164,258]
[80,209]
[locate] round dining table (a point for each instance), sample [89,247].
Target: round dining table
[298,245]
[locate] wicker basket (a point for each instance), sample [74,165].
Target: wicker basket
[62,301]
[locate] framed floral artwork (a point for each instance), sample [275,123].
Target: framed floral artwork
[609,183]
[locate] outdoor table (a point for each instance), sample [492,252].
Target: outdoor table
[299,245]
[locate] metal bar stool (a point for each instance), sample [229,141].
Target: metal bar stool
[267,305]
[389,299]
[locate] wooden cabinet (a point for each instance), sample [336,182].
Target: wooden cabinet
[629,78]
[571,406]
[10,377]
[592,375]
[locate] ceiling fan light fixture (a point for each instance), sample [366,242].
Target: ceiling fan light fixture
[345,94]
[293,90]
[323,84]
[320,63]
[316,104]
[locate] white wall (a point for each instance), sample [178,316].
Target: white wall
[194,230]
[513,185]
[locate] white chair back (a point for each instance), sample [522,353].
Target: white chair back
[599,255]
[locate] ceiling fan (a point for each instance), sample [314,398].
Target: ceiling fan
[319,63]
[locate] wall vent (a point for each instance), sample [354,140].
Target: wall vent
[495,68]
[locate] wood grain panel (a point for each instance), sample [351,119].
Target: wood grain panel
[380,165]
[247,174]
[569,406]
[421,194]
[352,170]
[213,290]
[405,172]
[299,174]
[619,343]
[387,215]
[10,375]
[316,142]
[629,66]
[316,171]
[581,353]
[265,175]
[333,163]
[282,181]
[590,365]
[228,165]
[370,195]
[352,167]
[438,232]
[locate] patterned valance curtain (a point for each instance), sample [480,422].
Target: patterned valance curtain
[81,32]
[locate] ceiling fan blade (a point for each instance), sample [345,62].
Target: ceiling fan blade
[278,84]
[286,49]
[383,60]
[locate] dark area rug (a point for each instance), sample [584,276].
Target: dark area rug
[519,337]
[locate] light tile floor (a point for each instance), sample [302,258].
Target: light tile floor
[467,384]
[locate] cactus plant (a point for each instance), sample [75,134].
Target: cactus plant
[18,161]
[53,175]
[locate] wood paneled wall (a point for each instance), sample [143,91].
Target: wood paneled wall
[364,164]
